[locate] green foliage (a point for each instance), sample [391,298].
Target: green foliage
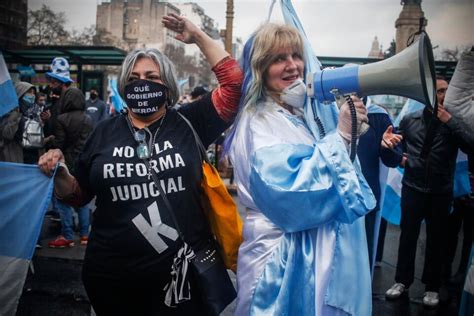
[391,50]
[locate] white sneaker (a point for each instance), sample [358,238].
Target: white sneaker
[395,291]
[431,299]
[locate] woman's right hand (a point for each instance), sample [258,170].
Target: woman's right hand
[189,33]
[344,125]
[48,161]
[187,30]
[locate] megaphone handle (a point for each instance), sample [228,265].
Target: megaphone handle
[352,109]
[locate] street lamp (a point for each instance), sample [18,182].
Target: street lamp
[228,30]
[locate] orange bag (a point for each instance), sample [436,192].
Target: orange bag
[220,209]
[222,214]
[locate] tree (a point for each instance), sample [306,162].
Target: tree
[46,27]
[102,37]
[183,64]
[84,37]
[450,54]
[391,50]
[454,54]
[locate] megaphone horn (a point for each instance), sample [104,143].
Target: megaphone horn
[411,74]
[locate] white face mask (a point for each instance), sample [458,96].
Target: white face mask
[295,94]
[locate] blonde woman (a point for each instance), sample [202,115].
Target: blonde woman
[304,250]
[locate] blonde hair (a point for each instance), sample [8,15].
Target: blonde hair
[269,38]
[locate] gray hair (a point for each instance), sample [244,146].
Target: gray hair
[167,71]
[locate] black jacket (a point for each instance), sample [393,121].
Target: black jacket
[434,174]
[73,126]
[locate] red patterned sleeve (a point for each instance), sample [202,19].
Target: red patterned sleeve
[227,96]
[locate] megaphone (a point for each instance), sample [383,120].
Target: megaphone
[411,74]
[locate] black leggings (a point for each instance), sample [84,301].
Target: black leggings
[135,296]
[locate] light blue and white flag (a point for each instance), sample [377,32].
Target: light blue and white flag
[391,210]
[25,193]
[462,185]
[8,99]
[117,101]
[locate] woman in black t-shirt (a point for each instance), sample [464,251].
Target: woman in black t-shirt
[133,238]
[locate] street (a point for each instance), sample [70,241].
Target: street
[55,288]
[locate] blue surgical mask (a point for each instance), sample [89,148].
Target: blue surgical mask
[30,99]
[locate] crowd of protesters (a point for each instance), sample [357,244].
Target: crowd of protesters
[60,122]
[55,118]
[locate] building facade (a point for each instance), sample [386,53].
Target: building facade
[408,22]
[196,14]
[137,23]
[376,50]
[13,23]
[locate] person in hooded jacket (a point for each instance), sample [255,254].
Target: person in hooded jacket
[10,138]
[71,130]
[29,109]
[72,126]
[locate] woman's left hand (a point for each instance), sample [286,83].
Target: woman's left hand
[344,125]
[186,30]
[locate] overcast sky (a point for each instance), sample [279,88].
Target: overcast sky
[334,27]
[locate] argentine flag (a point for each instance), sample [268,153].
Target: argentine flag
[117,101]
[391,210]
[25,193]
[8,98]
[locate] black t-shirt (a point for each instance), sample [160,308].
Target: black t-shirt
[132,231]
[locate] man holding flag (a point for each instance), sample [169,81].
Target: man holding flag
[427,193]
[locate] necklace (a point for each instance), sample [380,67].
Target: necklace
[144,150]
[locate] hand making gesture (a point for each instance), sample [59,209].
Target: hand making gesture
[390,139]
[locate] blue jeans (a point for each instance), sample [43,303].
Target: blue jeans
[65,212]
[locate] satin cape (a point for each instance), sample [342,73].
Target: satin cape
[304,250]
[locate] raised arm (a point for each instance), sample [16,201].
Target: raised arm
[225,98]
[189,33]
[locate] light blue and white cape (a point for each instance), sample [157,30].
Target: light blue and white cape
[304,250]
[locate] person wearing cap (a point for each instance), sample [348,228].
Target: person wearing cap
[59,80]
[70,127]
